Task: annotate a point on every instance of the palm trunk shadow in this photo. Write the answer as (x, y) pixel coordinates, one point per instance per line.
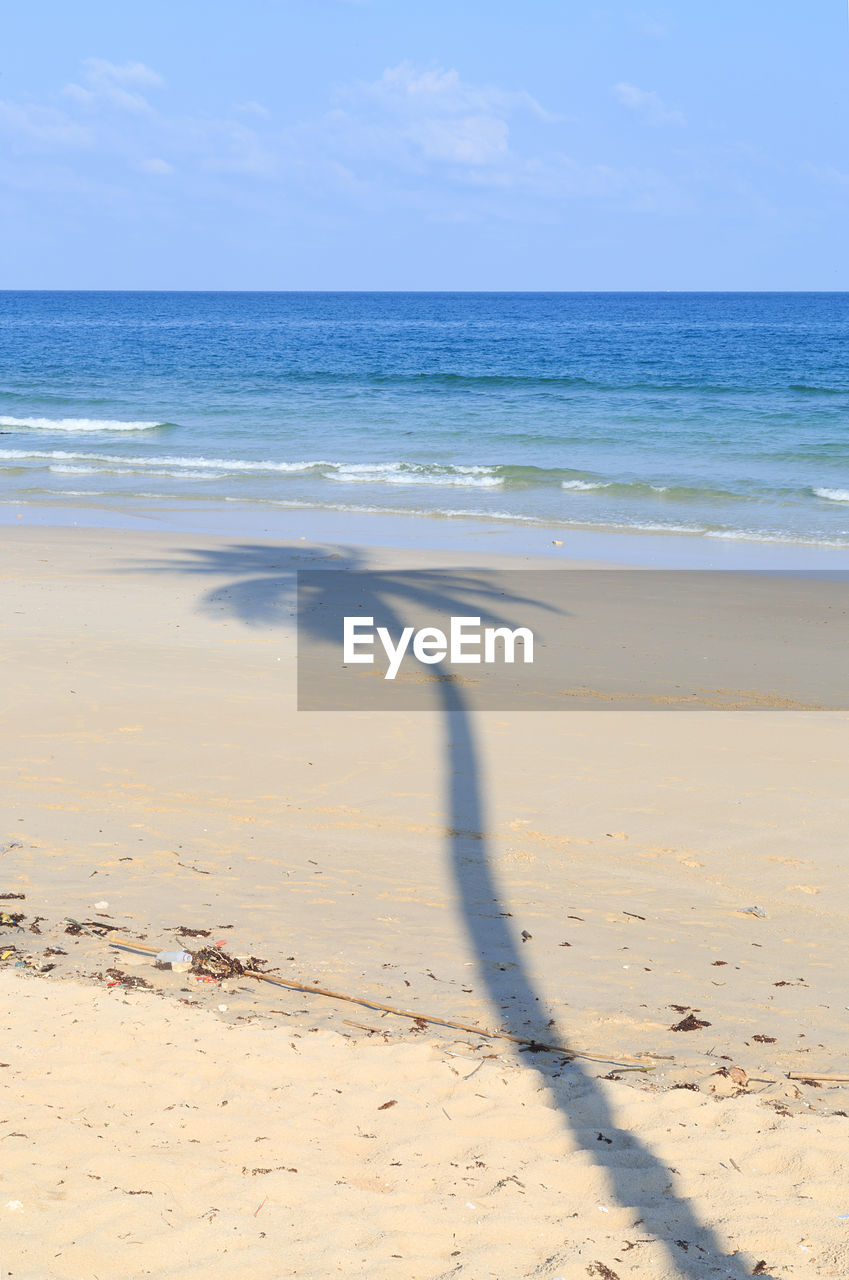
(641, 1182)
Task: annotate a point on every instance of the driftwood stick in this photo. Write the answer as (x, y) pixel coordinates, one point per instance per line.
(835, 1077)
(538, 1045)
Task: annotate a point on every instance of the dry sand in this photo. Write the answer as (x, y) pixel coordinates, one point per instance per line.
(154, 761)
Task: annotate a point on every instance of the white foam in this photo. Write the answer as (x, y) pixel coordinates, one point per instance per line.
(413, 474)
(464, 481)
(585, 485)
(80, 425)
(293, 503)
(169, 473)
(58, 469)
(401, 473)
(199, 464)
(833, 495)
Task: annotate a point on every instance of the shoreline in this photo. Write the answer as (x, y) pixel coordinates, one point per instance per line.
(438, 534)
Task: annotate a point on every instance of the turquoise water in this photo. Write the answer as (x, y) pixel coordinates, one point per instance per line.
(715, 415)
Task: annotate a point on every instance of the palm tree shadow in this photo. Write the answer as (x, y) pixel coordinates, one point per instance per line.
(259, 591)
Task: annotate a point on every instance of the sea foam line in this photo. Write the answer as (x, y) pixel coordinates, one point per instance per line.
(352, 473)
(79, 425)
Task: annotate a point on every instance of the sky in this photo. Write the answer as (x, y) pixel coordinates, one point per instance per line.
(424, 144)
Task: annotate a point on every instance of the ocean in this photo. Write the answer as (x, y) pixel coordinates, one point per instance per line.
(709, 415)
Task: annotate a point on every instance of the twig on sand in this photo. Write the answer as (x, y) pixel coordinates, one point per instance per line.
(835, 1077)
(535, 1045)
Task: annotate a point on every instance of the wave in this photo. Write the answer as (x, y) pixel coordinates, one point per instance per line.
(170, 473)
(197, 463)
(642, 488)
(577, 487)
(353, 473)
(816, 391)
(547, 383)
(414, 473)
(76, 425)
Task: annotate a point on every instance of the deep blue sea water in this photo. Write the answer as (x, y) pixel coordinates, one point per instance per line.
(719, 415)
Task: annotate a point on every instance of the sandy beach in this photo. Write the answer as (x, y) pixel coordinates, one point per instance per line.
(662, 895)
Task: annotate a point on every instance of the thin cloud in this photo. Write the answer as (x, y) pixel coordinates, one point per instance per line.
(417, 119)
(440, 90)
(115, 85)
(647, 104)
(253, 108)
(422, 139)
(41, 128)
(155, 164)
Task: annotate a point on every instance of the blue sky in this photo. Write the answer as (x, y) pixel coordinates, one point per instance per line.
(421, 144)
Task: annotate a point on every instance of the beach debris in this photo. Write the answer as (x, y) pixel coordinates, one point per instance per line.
(753, 911)
(11, 919)
(728, 1081)
(119, 978)
(36, 963)
(556, 542)
(212, 962)
(6, 897)
(14, 1205)
(764, 1039)
(759, 1268)
(602, 1271)
(186, 932)
(526, 937)
(178, 961)
(95, 928)
(101, 906)
(690, 1023)
(384, 1106)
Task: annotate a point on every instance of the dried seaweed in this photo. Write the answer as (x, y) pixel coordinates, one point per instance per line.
(689, 1024)
(211, 962)
(127, 979)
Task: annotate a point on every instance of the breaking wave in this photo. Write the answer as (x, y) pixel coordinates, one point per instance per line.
(75, 426)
